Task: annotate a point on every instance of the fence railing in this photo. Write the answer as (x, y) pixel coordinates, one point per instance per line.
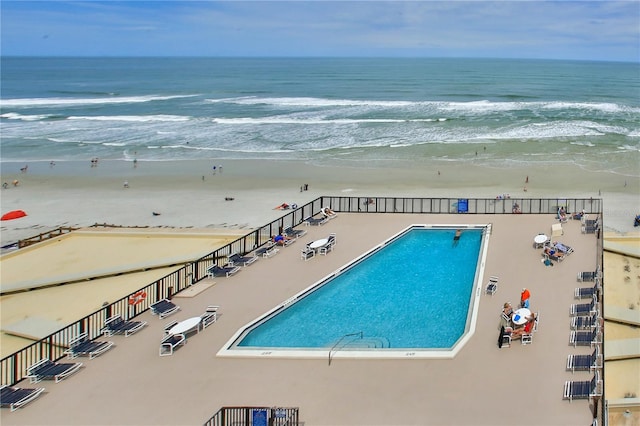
(13, 367)
(254, 416)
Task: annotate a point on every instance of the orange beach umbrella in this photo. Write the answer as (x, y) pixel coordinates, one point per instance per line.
(14, 214)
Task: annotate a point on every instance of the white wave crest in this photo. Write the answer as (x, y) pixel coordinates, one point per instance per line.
(310, 102)
(279, 120)
(52, 102)
(131, 118)
(16, 116)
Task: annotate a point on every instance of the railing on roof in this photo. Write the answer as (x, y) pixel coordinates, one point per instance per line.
(255, 416)
(13, 367)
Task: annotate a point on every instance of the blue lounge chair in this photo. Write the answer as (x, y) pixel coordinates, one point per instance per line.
(268, 250)
(585, 362)
(585, 338)
(583, 389)
(116, 325)
(584, 292)
(82, 346)
(492, 285)
(585, 322)
(163, 308)
(584, 308)
(170, 343)
(294, 233)
(210, 316)
(236, 259)
(587, 276)
(45, 369)
(315, 221)
(222, 271)
(14, 398)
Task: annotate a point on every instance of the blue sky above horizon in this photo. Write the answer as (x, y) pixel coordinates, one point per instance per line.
(582, 30)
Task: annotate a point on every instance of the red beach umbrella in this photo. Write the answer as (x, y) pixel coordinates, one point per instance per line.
(14, 214)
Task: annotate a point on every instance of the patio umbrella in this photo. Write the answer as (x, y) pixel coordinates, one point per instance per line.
(14, 214)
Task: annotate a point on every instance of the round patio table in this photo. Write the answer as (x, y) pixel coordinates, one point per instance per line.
(540, 239)
(520, 316)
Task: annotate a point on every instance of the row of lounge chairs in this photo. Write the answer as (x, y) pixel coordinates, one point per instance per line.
(585, 331)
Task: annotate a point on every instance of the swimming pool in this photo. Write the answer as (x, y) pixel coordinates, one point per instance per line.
(411, 295)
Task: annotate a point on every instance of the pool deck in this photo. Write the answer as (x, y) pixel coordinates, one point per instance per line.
(482, 385)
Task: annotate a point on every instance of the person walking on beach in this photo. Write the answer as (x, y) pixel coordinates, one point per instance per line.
(526, 180)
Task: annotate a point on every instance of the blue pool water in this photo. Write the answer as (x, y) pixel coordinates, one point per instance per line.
(412, 293)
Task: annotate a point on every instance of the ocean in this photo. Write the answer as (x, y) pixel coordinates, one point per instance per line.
(503, 112)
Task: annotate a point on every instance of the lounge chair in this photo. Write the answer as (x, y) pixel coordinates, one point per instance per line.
(563, 248)
(268, 250)
(116, 325)
(587, 276)
(82, 346)
(492, 285)
(222, 271)
(169, 326)
(589, 229)
(583, 389)
(14, 398)
(236, 259)
(45, 369)
(315, 221)
(585, 322)
(328, 213)
(294, 233)
(170, 343)
(307, 253)
(585, 362)
(585, 338)
(210, 316)
(584, 292)
(163, 308)
(584, 308)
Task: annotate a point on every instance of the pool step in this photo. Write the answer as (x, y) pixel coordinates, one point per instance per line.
(368, 343)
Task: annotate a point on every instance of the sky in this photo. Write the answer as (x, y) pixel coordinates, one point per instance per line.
(580, 30)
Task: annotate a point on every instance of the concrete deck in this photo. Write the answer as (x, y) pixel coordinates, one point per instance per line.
(482, 385)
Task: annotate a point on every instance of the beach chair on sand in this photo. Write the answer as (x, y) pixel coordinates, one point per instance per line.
(45, 369)
(82, 346)
(163, 308)
(492, 285)
(14, 398)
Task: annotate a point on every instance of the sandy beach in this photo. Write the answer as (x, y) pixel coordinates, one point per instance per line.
(188, 194)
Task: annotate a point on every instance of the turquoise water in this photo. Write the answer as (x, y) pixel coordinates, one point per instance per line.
(413, 293)
(349, 110)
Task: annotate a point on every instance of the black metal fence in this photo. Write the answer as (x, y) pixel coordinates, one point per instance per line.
(13, 367)
(254, 416)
